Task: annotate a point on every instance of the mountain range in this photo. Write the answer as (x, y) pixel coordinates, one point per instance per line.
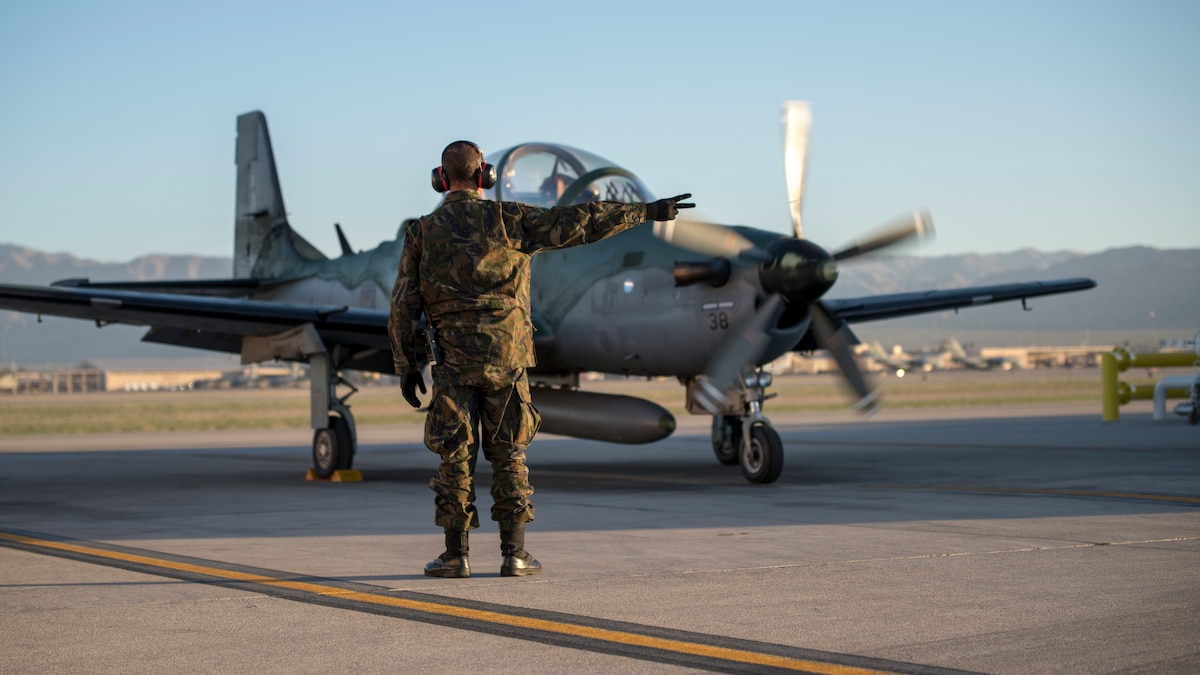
(1144, 295)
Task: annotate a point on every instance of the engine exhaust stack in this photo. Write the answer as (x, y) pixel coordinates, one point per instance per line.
(714, 272)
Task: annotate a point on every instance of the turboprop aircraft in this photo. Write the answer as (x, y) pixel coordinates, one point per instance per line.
(705, 303)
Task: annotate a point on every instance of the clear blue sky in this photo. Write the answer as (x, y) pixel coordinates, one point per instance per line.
(1054, 125)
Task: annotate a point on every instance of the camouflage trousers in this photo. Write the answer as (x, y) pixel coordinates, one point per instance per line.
(503, 421)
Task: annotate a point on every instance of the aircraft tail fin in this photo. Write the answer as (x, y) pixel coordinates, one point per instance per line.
(263, 240)
(956, 350)
(875, 349)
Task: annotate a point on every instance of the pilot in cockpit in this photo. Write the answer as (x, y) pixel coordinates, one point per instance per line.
(553, 188)
(588, 194)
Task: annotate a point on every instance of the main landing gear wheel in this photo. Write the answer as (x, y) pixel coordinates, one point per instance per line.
(333, 447)
(727, 438)
(762, 458)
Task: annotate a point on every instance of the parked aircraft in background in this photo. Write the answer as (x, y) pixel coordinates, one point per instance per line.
(705, 303)
(960, 357)
(894, 361)
(901, 363)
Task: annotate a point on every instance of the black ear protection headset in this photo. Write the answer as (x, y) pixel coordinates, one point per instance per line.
(485, 175)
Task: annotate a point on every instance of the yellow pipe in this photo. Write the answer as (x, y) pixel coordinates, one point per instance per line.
(1129, 392)
(1125, 392)
(1125, 360)
(1108, 384)
(1172, 360)
(1116, 393)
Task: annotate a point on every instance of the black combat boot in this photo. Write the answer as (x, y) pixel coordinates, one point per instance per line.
(453, 563)
(517, 561)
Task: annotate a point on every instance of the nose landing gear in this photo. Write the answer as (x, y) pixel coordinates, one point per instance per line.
(741, 434)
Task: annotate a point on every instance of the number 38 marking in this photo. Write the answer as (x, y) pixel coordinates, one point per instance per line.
(718, 321)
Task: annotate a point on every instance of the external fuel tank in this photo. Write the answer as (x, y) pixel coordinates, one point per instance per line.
(603, 417)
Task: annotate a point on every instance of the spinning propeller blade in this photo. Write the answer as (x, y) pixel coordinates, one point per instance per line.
(718, 241)
(918, 224)
(797, 118)
(835, 339)
(740, 350)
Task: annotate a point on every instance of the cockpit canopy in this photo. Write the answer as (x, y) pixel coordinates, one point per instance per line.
(544, 174)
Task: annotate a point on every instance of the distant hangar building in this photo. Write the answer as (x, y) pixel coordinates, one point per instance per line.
(123, 374)
(151, 374)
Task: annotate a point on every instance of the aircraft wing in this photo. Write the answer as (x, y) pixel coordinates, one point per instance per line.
(217, 323)
(875, 307)
(219, 287)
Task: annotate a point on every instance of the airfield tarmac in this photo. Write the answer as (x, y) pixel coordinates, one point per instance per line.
(1015, 539)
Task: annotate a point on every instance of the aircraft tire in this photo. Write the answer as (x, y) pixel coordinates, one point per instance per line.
(727, 441)
(333, 448)
(346, 442)
(1194, 414)
(762, 461)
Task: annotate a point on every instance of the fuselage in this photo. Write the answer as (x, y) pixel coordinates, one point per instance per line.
(612, 306)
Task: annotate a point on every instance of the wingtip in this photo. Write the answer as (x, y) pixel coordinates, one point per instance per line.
(924, 222)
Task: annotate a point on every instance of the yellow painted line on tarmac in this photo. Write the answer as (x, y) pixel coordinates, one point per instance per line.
(1178, 499)
(508, 620)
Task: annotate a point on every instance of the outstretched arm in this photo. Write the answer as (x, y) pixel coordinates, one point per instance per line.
(578, 224)
(406, 304)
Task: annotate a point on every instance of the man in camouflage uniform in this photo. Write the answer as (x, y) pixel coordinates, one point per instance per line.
(466, 268)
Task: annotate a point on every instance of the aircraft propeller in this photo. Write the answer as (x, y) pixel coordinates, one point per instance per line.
(797, 118)
(918, 224)
(792, 271)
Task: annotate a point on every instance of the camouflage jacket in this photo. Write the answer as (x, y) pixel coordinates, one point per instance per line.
(466, 266)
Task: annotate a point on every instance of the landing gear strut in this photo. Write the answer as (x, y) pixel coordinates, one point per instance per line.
(742, 435)
(334, 434)
(727, 438)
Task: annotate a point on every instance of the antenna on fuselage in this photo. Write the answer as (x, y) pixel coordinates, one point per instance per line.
(346, 250)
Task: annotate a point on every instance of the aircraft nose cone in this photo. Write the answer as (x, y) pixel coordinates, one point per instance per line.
(828, 271)
(799, 270)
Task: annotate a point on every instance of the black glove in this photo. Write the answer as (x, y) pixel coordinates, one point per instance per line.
(666, 209)
(409, 385)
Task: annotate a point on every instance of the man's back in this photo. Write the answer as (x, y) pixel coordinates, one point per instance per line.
(474, 285)
(469, 260)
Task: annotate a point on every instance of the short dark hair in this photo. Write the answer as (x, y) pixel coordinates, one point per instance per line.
(461, 159)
